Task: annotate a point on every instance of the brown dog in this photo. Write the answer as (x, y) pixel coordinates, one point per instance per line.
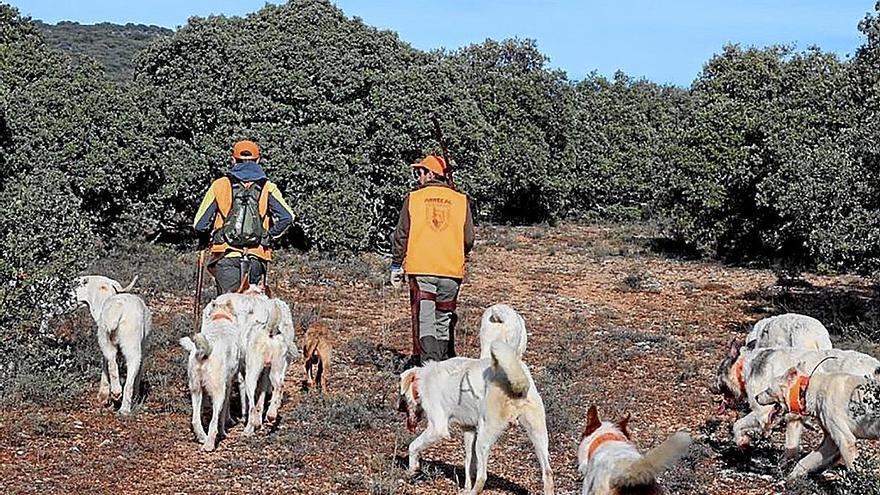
(316, 353)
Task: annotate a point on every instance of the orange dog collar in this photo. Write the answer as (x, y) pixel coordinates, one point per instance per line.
(738, 373)
(797, 396)
(602, 439)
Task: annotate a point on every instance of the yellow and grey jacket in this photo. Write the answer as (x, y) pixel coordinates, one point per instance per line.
(276, 213)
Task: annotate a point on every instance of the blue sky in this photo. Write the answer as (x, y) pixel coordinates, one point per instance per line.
(667, 42)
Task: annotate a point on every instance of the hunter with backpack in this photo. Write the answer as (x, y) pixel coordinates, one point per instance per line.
(243, 213)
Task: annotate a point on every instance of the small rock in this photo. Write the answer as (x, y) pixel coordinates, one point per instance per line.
(75, 450)
(105, 443)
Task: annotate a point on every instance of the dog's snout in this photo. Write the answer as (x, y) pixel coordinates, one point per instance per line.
(401, 404)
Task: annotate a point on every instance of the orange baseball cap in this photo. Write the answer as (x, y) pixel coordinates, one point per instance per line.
(245, 150)
(433, 163)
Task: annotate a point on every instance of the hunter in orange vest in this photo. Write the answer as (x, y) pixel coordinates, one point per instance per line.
(433, 235)
(244, 212)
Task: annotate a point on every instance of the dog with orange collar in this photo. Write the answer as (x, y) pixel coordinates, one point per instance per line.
(846, 405)
(611, 464)
(760, 371)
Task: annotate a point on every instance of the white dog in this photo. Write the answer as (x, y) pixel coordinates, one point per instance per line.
(484, 396)
(501, 322)
(124, 322)
(215, 357)
(761, 371)
(612, 465)
(792, 331)
(789, 330)
(267, 350)
(847, 406)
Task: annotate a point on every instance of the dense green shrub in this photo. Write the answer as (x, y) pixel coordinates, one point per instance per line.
(44, 242)
(767, 165)
(771, 153)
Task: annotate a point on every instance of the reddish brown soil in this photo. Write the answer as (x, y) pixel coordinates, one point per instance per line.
(611, 324)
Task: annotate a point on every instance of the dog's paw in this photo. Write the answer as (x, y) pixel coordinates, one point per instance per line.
(125, 410)
(208, 446)
(742, 441)
(116, 395)
(248, 431)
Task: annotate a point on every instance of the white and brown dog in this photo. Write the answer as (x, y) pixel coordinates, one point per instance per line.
(215, 356)
(846, 405)
(612, 465)
(760, 371)
(484, 397)
(267, 347)
(788, 330)
(745, 363)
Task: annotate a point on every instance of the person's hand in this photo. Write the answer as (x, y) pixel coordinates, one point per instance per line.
(203, 240)
(396, 276)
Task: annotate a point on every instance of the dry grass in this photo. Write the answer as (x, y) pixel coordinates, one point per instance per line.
(598, 335)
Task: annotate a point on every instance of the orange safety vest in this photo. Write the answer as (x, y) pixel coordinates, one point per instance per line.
(435, 245)
(222, 189)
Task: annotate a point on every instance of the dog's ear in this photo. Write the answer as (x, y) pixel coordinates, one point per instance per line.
(593, 422)
(623, 425)
(733, 352)
(406, 379)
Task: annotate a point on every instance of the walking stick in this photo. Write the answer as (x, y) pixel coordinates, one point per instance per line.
(438, 134)
(197, 302)
(414, 302)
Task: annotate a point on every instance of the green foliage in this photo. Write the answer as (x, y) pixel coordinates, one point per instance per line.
(623, 132)
(771, 153)
(301, 80)
(767, 163)
(44, 242)
(516, 153)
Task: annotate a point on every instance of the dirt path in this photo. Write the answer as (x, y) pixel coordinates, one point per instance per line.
(610, 324)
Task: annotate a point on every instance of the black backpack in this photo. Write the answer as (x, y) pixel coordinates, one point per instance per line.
(243, 226)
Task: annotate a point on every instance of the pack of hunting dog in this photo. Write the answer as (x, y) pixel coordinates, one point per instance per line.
(747, 192)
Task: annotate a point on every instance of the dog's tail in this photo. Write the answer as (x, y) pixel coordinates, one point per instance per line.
(504, 358)
(198, 344)
(646, 469)
(497, 316)
(274, 321)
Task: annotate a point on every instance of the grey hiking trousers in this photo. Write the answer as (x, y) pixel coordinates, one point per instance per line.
(433, 301)
(227, 272)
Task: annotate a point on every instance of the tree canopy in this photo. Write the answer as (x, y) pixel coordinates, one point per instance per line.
(771, 153)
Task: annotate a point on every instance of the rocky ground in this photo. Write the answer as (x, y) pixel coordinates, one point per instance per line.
(613, 321)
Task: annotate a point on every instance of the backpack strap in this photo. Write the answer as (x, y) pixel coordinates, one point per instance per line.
(223, 196)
